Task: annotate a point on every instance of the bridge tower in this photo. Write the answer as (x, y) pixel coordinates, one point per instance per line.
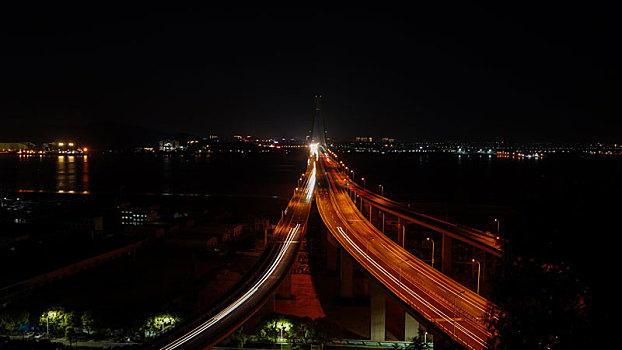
(317, 133)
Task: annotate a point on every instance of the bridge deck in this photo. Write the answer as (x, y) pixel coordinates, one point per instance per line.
(451, 307)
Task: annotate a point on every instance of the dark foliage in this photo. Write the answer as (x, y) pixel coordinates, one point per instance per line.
(545, 306)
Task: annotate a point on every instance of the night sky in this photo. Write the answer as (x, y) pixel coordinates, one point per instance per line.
(455, 70)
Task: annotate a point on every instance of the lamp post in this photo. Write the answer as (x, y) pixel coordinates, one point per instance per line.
(479, 268)
(381, 190)
(497, 222)
(363, 179)
(47, 322)
(431, 240)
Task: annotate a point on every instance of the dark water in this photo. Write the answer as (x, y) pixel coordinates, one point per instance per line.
(557, 209)
(267, 174)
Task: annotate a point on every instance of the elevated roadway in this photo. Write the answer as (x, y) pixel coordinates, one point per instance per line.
(481, 239)
(249, 295)
(445, 303)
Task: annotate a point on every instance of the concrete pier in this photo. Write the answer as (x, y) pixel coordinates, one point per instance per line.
(345, 275)
(377, 311)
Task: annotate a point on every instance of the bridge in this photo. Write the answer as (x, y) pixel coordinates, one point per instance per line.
(487, 243)
(258, 285)
(459, 312)
(425, 293)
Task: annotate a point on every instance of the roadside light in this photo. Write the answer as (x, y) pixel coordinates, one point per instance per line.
(479, 268)
(431, 240)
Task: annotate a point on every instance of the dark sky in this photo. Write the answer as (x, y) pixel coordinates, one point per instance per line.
(522, 71)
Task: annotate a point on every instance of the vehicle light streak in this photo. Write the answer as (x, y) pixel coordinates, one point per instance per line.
(434, 279)
(283, 250)
(420, 214)
(312, 184)
(440, 281)
(408, 290)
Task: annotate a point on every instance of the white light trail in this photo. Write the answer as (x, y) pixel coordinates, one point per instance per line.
(313, 149)
(410, 291)
(229, 309)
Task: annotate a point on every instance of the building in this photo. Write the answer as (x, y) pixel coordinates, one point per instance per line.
(168, 145)
(15, 146)
(64, 147)
(364, 139)
(138, 216)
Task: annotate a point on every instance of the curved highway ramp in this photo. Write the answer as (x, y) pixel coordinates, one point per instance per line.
(256, 287)
(454, 309)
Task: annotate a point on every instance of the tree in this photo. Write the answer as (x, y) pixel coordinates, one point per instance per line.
(159, 324)
(69, 334)
(57, 318)
(272, 326)
(542, 305)
(417, 343)
(324, 331)
(236, 339)
(10, 321)
(88, 321)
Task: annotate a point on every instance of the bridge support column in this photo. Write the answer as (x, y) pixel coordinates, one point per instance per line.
(377, 311)
(345, 275)
(401, 233)
(331, 252)
(285, 288)
(411, 327)
(446, 255)
(270, 305)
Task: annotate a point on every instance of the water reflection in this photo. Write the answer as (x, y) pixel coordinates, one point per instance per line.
(67, 176)
(85, 174)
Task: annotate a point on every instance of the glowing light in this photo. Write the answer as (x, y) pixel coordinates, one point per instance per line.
(313, 147)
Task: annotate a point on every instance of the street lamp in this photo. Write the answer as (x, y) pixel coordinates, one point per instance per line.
(363, 179)
(479, 268)
(497, 222)
(431, 240)
(47, 321)
(381, 190)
